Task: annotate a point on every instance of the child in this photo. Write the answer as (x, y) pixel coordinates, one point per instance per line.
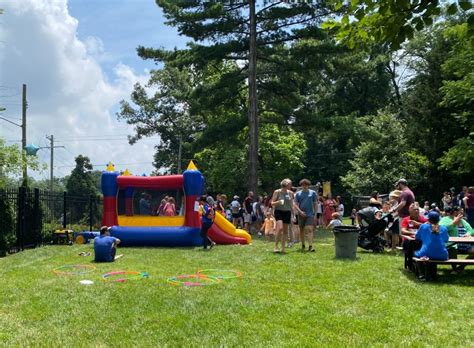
(353, 216)
(335, 221)
(268, 225)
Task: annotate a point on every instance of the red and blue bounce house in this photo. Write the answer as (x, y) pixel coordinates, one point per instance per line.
(121, 211)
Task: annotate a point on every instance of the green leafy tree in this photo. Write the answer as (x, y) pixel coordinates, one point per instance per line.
(11, 162)
(392, 21)
(438, 120)
(221, 33)
(457, 94)
(80, 186)
(383, 157)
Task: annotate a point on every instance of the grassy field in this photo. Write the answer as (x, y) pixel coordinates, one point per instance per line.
(297, 299)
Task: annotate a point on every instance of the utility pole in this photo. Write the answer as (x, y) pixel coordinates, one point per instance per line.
(179, 153)
(51, 171)
(23, 136)
(253, 115)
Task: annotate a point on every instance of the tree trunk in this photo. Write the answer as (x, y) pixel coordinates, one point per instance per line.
(253, 116)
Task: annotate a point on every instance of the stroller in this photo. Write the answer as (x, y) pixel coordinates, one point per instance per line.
(371, 229)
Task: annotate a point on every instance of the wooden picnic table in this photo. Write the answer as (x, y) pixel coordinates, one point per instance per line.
(463, 240)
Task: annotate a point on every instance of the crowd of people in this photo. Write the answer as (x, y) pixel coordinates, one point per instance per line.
(424, 231)
(290, 216)
(286, 217)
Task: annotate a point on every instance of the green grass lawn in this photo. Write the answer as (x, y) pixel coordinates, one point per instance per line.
(297, 299)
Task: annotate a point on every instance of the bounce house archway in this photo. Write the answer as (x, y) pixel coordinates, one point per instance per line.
(151, 230)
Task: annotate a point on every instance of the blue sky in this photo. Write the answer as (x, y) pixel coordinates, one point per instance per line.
(78, 59)
(123, 25)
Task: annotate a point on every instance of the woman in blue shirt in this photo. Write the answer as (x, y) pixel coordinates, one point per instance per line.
(433, 237)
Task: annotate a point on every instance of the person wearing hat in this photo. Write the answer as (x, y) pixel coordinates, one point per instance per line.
(235, 210)
(433, 237)
(392, 235)
(105, 246)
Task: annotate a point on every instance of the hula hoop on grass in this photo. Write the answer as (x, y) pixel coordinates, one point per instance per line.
(192, 280)
(220, 273)
(74, 269)
(123, 276)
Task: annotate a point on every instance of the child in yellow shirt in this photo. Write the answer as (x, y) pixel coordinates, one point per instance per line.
(268, 225)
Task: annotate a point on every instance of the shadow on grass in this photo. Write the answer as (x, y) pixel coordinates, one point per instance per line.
(444, 276)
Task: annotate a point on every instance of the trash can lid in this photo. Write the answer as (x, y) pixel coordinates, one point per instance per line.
(346, 228)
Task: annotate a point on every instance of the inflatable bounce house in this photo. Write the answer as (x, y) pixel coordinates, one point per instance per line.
(136, 227)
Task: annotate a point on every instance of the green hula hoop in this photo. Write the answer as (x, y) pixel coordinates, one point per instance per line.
(220, 273)
(128, 275)
(192, 280)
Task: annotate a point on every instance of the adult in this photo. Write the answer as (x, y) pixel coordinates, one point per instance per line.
(105, 246)
(328, 208)
(305, 205)
(468, 201)
(375, 200)
(145, 204)
(282, 203)
(257, 209)
(461, 196)
(433, 238)
(411, 223)
(406, 199)
(446, 200)
(235, 209)
(207, 219)
(248, 211)
(340, 207)
(392, 235)
(457, 227)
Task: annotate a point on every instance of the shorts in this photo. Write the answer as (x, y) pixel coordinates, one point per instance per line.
(283, 215)
(305, 221)
(247, 218)
(235, 215)
(318, 215)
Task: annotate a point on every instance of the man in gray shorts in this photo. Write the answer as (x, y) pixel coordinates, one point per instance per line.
(306, 207)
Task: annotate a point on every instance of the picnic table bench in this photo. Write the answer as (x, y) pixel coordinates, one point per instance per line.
(432, 266)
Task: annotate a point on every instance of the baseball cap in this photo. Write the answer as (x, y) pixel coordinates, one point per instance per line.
(236, 197)
(401, 181)
(378, 211)
(433, 217)
(105, 228)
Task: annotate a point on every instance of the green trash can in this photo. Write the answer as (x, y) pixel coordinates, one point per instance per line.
(346, 237)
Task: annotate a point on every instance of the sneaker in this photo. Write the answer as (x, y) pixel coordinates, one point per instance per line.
(311, 249)
(290, 244)
(303, 247)
(212, 244)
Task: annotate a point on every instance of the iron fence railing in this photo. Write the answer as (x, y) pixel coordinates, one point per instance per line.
(28, 217)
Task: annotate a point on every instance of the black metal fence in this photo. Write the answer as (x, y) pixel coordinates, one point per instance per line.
(28, 217)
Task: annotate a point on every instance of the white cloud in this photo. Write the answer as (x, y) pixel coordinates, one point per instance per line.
(69, 95)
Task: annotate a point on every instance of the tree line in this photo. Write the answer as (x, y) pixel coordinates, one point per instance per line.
(337, 100)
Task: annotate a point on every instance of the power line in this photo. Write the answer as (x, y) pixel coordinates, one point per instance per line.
(99, 139)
